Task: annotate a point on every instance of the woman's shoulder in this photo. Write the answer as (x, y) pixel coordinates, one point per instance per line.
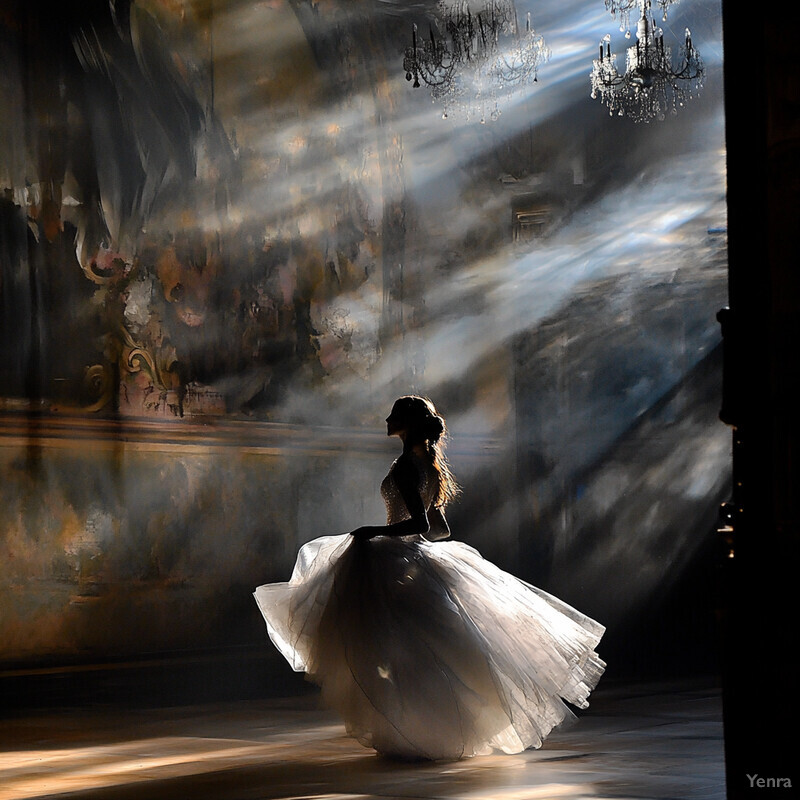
(411, 466)
(403, 470)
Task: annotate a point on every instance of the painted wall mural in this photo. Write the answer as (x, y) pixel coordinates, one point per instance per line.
(231, 232)
(204, 272)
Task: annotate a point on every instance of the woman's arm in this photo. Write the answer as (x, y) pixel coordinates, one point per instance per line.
(439, 529)
(406, 478)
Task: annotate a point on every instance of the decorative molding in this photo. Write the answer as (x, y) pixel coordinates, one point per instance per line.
(220, 436)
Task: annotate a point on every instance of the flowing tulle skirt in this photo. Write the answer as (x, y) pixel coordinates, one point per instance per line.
(427, 650)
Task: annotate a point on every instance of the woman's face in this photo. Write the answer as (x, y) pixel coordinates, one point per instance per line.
(396, 421)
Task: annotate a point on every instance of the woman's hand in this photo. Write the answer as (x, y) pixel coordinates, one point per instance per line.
(366, 532)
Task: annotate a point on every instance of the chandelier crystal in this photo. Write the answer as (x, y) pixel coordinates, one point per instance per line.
(475, 56)
(623, 8)
(651, 86)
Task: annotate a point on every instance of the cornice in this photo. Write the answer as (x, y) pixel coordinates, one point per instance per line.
(209, 436)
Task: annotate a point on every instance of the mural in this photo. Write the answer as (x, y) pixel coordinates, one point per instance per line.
(203, 267)
(231, 233)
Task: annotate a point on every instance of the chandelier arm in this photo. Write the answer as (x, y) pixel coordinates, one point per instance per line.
(686, 74)
(613, 82)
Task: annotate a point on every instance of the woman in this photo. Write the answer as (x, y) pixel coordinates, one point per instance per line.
(426, 649)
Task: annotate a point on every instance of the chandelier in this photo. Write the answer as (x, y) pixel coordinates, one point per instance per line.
(623, 8)
(475, 57)
(651, 86)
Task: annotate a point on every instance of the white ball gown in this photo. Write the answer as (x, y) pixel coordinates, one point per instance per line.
(426, 649)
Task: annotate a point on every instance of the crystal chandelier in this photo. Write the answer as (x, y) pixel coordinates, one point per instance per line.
(475, 56)
(623, 8)
(651, 86)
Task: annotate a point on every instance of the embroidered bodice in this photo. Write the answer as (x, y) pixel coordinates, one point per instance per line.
(396, 510)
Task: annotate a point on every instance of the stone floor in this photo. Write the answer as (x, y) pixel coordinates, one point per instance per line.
(659, 740)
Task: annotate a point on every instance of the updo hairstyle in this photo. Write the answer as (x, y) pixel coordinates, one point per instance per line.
(424, 423)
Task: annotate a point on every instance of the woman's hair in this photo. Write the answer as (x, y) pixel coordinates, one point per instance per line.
(424, 423)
